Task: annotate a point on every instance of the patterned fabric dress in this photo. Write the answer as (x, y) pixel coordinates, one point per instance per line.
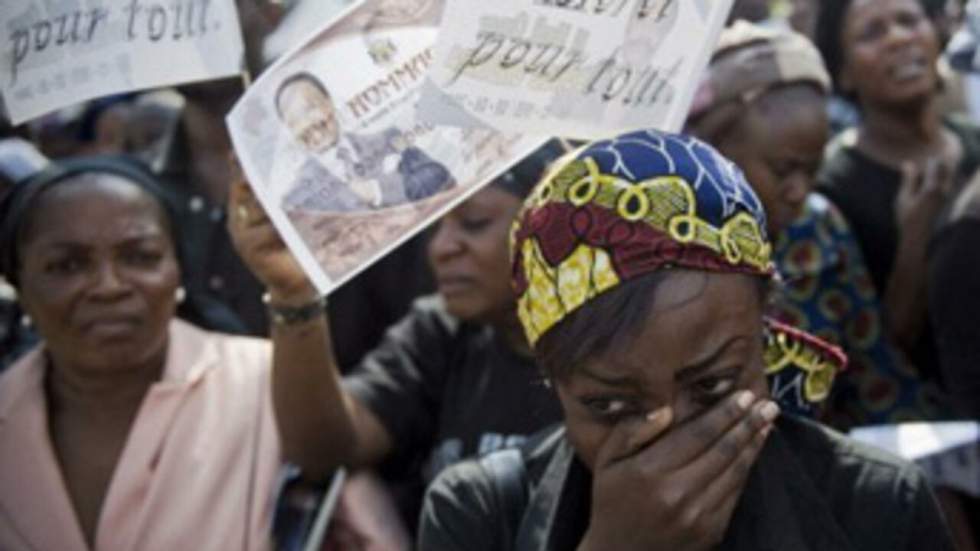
(828, 292)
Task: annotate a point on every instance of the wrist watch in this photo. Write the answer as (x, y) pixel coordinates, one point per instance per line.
(289, 315)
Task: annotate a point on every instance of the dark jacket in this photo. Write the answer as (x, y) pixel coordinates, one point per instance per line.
(811, 489)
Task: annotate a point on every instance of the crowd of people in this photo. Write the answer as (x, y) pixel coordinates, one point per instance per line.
(653, 341)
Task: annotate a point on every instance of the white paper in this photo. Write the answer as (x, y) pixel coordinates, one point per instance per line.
(57, 54)
(587, 69)
(329, 141)
(948, 452)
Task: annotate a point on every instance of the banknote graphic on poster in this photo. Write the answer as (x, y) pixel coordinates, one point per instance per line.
(329, 140)
(581, 68)
(58, 53)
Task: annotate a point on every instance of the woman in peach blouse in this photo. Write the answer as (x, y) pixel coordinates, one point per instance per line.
(126, 428)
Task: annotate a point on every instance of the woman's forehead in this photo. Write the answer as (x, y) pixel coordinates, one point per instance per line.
(95, 201)
(694, 313)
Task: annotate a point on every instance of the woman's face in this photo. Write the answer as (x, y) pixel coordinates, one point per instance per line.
(890, 50)
(470, 258)
(701, 342)
(779, 145)
(98, 273)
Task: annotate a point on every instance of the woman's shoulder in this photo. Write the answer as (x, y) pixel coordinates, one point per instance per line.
(479, 503)
(855, 477)
(234, 356)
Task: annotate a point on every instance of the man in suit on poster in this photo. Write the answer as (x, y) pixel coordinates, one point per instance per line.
(376, 171)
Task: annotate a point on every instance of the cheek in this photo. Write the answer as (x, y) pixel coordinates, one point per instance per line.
(48, 300)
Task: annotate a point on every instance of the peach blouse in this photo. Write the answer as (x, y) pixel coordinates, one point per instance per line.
(197, 471)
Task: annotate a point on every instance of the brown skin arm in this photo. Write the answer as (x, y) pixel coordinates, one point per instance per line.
(920, 199)
(322, 427)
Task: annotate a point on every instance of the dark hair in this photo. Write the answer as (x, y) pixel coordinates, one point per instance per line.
(521, 178)
(302, 76)
(611, 320)
(829, 35)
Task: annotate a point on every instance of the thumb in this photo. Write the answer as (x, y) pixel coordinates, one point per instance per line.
(632, 434)
(910, 180)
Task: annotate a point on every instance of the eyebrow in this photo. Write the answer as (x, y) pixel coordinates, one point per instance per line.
(700, 366)
(609, 380)
(132, 240)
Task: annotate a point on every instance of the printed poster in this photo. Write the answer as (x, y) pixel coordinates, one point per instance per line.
(586, 69)
(329, 140)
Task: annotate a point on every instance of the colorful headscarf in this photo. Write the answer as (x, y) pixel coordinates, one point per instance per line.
(645, 201)
(626, 207)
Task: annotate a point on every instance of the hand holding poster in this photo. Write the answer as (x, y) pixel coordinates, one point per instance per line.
(329, 141)
(60, 53)
(580, 68)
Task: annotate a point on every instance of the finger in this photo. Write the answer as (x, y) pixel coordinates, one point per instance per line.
(728, 449)
(731, 447)
(629, 436)
(688, 441)
(931, 176)
(730, 482)
(910, 180)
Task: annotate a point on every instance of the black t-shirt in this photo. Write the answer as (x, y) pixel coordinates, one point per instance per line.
(446, 390)
(866, 190)
(810, 489)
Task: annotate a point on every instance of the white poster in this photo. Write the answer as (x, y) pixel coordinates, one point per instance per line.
(586, 69)
(61, 52)
(329, 140)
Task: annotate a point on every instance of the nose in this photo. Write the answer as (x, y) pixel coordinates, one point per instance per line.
(900, 33)
(445, 244)
(108, 283)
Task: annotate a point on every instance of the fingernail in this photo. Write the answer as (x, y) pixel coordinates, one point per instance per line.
(744, 399)
(770, 411)
(658, 414)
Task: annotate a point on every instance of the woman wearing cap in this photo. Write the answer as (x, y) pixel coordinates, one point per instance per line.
(125, 428)
(454, 378)
(892, 176)
(763, 106)
(642, 268)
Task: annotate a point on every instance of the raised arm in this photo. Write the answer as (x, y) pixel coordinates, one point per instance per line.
(322, 426)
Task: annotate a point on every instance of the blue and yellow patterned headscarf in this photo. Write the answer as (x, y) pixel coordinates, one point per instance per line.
(638, 203)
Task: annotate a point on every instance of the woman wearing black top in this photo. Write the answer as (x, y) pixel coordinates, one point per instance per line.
(893, 174)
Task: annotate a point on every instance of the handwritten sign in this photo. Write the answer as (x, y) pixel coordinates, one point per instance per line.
(329, 140)
(578, 68)
(60, 53)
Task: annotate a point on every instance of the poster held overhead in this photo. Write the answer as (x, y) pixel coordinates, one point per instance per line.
(330, 143)
(586, 69)
(57, 54)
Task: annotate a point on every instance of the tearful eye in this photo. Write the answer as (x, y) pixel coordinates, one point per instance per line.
(611, 408)
(712, 388)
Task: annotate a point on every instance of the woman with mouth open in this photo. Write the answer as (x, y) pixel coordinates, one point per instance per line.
(125, 428)
(762, 103)
(892, 176)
